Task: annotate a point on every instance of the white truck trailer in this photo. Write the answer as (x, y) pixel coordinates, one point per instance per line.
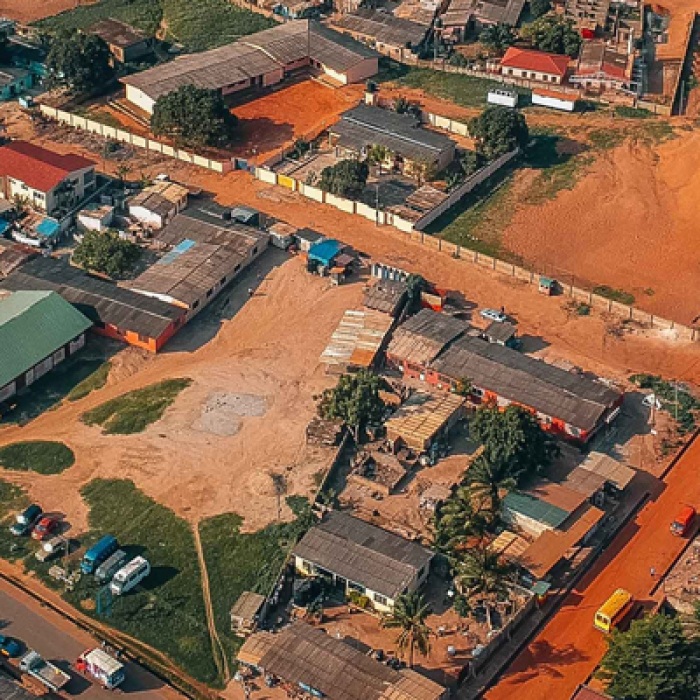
(105, 669)
(48, 674)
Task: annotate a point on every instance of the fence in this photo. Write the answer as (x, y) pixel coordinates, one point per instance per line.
(123, 136)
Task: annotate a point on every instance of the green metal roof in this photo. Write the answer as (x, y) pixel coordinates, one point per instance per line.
(534, 508)
(33, 325)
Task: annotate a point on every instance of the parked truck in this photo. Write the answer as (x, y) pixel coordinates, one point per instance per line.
(99, 665)
(52, 677)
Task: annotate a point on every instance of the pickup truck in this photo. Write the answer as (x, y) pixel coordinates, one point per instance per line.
(37, 667)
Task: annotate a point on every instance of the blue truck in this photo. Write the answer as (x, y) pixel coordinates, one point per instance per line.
(98, 553)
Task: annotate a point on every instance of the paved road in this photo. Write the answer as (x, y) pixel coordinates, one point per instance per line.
(61, 642)
(568, 649)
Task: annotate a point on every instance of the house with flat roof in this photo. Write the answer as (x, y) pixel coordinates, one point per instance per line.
(534, 65)
(258, 61)
(410, 147)
(362, 557)
(566, 403)
(420, 339)
(154, 206)
(205, 254)
(115, 312)
(601, 67)
(126, 43)
(308, 658)
(38, 331)
(51, 182)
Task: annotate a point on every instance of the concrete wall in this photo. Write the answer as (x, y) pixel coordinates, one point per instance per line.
(140, 99)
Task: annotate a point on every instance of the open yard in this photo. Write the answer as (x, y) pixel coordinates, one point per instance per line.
(30, 10)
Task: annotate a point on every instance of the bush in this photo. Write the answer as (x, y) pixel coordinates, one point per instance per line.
(80, 62)
(41, 456)
(498, 130)
(106, 252)
(540, 7)
(360, 600)
(554, 34)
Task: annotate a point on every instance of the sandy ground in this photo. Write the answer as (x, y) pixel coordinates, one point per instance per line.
(569, 648)
(242, 419)
(30, 10)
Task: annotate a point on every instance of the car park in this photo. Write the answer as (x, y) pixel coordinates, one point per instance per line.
(25, 521)
(47, 526)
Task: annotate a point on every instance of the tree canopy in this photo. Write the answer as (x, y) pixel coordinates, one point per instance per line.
(498, 37)
(194, 116)
(515, 447)
(554, 34)
(652, 661)
(346, 178)
(354, 400)
(79, 62)
(498, 130)
(105, 252)
(409, 615)
(540, 7)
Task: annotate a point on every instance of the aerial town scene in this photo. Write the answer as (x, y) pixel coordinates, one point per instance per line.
(350, 349)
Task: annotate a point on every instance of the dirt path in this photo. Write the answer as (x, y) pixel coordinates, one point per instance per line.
(218, 650)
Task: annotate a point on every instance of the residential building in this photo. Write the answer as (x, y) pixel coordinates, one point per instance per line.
(362, 557)
(304, 657)
(501, 333)
(392, 36)
(589, 15)
(126, 43)
(601, 67)
(204, 255)
(156, 205)
(462, 17)
(115, 312)
(258, 61)
(12, 254)
(565, 403)
(534, 65)
(411, 149)
(14, 82)
(386, 295)
(51, 182)
(38, 331)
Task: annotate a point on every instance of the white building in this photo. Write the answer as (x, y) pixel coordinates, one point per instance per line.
(157, 205)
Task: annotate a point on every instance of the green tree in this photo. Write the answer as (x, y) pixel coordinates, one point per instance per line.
(498, 37)
(378, 155)
(354, 400)
(194, 116)
(483, 572)
(105, 252)
(498, 130)
(79, 62)
(492, 481)
(554, 34)
(538, 8)
(415, 286)
(346, 178)
(470, 162)
(409, 615)
(652, 661)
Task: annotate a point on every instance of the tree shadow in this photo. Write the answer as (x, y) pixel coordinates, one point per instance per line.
(261, 134)
(159, 576)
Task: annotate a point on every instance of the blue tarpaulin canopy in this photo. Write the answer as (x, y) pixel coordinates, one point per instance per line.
(325, 251)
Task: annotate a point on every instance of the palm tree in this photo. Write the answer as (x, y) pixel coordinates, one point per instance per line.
(409, 615)
(489, 480)
(483, 572)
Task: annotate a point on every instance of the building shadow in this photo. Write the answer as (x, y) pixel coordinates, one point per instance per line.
(532, 343)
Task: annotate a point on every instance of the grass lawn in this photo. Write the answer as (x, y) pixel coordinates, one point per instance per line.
(91, 383)
(12, 500)
(41, 456)
(135, 411)
(238, 562)
(463, 90)
(144, 14)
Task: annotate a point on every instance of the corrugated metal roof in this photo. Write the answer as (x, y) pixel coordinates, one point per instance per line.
(386, 296)
(553, 392)
(363, 553)
(33, 325)
(532, 507)
(357, 339)
(9, 690)
(382, 27)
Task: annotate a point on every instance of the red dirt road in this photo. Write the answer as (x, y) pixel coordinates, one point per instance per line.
(569, 649)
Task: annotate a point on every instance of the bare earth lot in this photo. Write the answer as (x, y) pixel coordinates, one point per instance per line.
(30, 10)
(243, 417)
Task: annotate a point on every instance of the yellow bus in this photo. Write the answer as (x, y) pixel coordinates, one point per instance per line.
(612, 610)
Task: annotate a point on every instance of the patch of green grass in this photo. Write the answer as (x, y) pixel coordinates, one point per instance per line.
(91, 383)
(238, 562)
(606, 139)
(206, 24)
(144, 14)
(632, 112)
(464, 90)
(12, 500)
(41, 456)
(655, 132)
(620, 295)
(135, 411)
(675, 400)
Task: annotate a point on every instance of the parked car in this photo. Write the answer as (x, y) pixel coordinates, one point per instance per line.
(46, 527)
(493, 315)
(10, 647)
(51, 548)
(26, 520)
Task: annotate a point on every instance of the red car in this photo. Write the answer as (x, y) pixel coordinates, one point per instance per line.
(46, 527)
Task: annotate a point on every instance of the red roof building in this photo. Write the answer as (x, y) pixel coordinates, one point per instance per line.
(33, 172)
(601, 67)
(534, 65)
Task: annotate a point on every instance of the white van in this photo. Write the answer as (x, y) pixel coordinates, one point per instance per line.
(130, 575)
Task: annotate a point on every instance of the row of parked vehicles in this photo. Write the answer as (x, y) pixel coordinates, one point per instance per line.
(105, 560)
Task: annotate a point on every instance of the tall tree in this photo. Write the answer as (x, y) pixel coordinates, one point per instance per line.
(409, 615)
(347, 178)
(554, 34)
(483, 572)
(79, 62)
(194, 116)
(490, 480)
(107, 253)
(354, 400)
(498, 130)
(514, 444)
(498, 37)
(652, 661)
(415, 285)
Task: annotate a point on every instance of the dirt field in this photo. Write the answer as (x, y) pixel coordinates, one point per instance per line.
(30, 10)
(244, 416)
